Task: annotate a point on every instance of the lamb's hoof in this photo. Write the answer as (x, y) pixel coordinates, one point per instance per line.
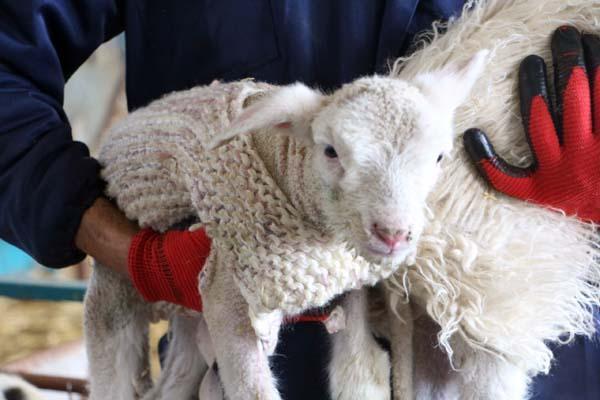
(268, 346)
(361, 392)
(362, 378)
(211, 388)
(336, 321)
(268, 339)
(271, 394)
(266, 328)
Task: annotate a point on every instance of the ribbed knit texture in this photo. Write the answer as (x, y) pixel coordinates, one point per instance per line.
(159, 171)
(166, 266)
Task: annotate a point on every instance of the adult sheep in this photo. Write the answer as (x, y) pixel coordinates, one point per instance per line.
(496, 280)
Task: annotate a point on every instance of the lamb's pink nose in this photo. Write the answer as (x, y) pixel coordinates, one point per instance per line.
(392, 237)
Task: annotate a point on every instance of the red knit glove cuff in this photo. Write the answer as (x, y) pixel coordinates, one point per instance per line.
(165, 267)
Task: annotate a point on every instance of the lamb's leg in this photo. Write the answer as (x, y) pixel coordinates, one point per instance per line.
(266, 326)
(484, 376)
(184, 366)
(477, 375)
(116, 331)
(434, 378)
(242, 361)
(359, 368)
(401, 342)
(210, 387)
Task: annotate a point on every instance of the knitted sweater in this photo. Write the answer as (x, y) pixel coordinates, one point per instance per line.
(159, 171)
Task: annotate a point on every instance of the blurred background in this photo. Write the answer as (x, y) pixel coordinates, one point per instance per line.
(41, 333)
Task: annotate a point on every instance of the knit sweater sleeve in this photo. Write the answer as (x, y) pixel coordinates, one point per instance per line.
(151, 161)
(47, 180)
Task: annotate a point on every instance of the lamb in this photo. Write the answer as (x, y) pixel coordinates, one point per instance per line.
(305, 197)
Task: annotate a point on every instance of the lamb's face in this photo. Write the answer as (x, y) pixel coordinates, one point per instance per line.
(379, 144)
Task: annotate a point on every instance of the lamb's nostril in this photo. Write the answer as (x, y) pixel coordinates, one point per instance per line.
(391, 236)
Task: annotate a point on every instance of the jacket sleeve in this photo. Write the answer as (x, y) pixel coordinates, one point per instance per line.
(47, 180)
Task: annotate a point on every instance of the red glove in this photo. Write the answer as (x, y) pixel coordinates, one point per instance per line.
(166, 266)
(565, 173)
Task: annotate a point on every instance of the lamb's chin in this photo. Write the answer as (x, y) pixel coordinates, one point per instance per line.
(376, 256)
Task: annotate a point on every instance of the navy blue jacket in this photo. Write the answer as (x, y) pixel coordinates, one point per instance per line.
(47, 180)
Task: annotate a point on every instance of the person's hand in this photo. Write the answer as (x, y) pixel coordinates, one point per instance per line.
(565, 173)
(166, 266)
(160, 266)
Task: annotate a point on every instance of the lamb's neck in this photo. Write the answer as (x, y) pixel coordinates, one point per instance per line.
(290, 164)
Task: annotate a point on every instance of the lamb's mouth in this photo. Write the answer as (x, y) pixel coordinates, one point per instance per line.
(386, 254)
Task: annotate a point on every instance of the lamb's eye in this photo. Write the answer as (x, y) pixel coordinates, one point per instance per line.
(330, 152)
(440, 158)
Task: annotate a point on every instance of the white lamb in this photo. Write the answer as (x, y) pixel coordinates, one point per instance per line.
(317, 201)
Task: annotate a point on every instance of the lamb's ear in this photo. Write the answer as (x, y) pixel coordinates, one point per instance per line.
(449, 87)
(289, 109)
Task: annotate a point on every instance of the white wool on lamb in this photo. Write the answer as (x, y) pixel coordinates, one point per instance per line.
(503, 275)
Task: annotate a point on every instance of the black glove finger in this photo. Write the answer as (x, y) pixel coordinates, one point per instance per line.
(567, 54)
(480, 149)
(533, 82)
(591, 47)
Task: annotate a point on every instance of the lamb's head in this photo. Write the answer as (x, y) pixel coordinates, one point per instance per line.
(376, 149)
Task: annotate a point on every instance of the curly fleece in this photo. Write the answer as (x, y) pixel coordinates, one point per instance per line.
(507, 276)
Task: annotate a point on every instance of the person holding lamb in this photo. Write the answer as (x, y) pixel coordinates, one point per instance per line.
(51, 202)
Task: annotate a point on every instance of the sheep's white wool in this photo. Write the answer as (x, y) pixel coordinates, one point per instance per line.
(504, 275)
(160, 172)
